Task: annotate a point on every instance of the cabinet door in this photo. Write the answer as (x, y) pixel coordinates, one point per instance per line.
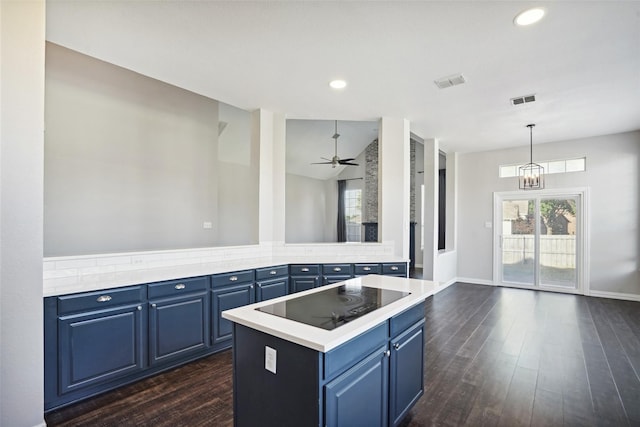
(226, 298)
(359, 396)
(303, 283)
(272, 288)
(406, 372)
(178, 327)
(100, 346)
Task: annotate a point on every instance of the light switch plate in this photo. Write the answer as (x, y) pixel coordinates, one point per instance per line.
(488, 224)
(270, 356)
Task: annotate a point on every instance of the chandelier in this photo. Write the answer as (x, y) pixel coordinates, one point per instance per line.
(531, 175)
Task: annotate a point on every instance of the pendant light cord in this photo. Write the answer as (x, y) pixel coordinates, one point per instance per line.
(530, 126)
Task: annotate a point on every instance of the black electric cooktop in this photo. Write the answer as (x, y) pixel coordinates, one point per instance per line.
(333, 307)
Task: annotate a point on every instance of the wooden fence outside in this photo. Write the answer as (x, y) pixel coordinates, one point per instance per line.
(555, 251)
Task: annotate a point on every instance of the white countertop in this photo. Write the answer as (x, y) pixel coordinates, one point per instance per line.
(93, 279)
(324, 340)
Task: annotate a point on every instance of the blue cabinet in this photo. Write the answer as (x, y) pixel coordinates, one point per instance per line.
(271, 282)
(229, 291)
(333, 273)
(406, 372)
(364, 269)
(93, 341)
(178, 319)
(371, 380)
(359, 397)
(303, 277)
(97, 341)
(398, 269)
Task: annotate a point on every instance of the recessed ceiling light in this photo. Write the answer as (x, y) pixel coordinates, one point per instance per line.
(338, 84)
(529, 17)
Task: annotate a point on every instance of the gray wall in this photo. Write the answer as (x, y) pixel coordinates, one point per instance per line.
(131, 164)
(307, 212)
(613, 165)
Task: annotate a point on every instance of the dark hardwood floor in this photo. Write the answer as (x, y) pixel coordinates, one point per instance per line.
(494, 356)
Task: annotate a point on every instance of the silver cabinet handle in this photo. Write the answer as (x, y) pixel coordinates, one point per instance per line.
(367, 268)
(337, 269)
(180, 286)
(304, 269)
(394, 267)
(251, 286)
(233, 278)
(386, 353)
(154, 305)
(273, 272)
(396, 345)
(139, 308)
(103, 298)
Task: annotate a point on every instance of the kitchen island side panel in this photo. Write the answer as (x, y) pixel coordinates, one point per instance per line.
(290, 397)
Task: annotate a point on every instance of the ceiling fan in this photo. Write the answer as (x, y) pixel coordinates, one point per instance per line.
(336, 160)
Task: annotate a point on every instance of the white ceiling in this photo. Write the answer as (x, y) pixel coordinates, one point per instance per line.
(582, 61)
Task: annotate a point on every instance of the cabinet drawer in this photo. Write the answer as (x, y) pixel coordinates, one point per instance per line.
(342, 357)
(405, 319)
(100, 299)
(304, 269)
(178, 287)
(271, 272)
(233, 278)
(336, 269)
(395, 268)
(364, 269)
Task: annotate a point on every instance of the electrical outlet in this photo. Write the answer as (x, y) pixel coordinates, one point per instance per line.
(207, 225)
(270, 356)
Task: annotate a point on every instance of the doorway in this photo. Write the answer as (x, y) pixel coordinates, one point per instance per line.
(539, 240)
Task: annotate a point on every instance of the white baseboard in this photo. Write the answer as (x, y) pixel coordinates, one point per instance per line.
(592, 293)
(614, 295)
(445, 285)
(475, 281)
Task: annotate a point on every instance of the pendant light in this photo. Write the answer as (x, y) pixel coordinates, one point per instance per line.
(531, 175)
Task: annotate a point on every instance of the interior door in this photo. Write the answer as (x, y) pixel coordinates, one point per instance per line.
(539, 239)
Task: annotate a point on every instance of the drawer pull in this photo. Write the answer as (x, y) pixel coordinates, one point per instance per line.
(394, 267)
(273, 272)
(139, 308)
(103, 298)
(180, 286)
(396, 345)
(337, 269)
(386, 353)
(154, 305)
(233, 278)
(367, 268)
(304, 269)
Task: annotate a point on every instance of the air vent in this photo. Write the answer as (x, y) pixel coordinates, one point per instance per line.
(523, 99)
(454, 80)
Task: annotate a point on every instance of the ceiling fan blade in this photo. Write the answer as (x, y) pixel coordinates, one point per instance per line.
(349, 164)
(322, 163)
(347, 160)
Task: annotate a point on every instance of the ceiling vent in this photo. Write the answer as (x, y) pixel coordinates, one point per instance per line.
(523, 99)
(454, 80)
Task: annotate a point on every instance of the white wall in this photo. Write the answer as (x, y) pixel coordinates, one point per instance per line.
(130, 162)
(394, 183)
(613, 173)
(22, 33)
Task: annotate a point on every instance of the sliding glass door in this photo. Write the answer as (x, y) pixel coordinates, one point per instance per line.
(539, 238)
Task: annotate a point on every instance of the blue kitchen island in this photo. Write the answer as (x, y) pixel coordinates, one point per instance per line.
(346, 354)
